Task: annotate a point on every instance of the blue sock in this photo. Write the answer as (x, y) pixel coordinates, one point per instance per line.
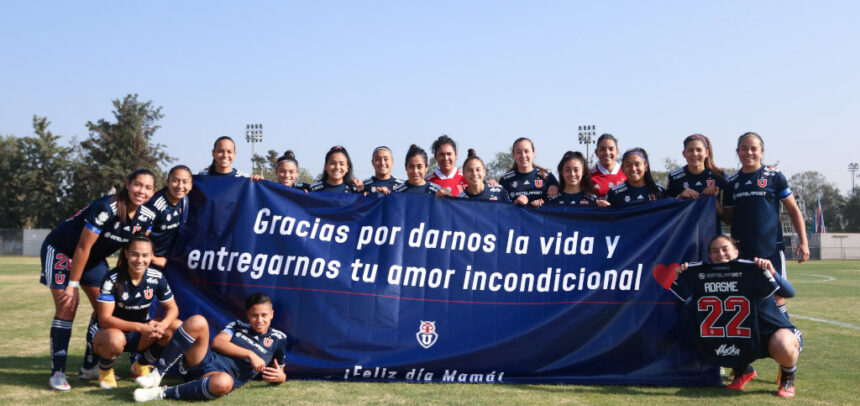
(61, 333)
(150, 354)
(178, 345)
(194, 390)
(90, 357)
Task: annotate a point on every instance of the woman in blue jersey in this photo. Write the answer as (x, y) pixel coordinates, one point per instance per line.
(169, 205)
(223, 155)
(577, 186)
(639, 186)
(287, 170)
(700, 176)
(337, 175)
(751, 205)
(416, 169)
(73, 255)
(381, 182)
(474, 172)
(126, 296)
(526, 182)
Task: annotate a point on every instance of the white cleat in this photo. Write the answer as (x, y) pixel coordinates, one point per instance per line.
(58, 382)
(150, 380)
(147, 394)
(89, 374)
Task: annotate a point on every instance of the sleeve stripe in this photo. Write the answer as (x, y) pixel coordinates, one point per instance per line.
(93, 228)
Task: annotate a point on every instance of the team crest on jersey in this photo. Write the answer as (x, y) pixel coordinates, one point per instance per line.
(494, 198)
(147, 293)
(627, 199)
(124, 295)
(538, 183)
(762, 182)
(686, 185)
(59, 278)
(135, 229)
(426, 334)
(583, 202)
(514, 184)
(267, 341)
(712, 183)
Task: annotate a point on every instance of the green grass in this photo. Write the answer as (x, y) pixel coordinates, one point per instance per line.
(828, 368)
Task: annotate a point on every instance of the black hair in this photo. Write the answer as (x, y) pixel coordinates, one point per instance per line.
(256, 298)
(122, 198)
(472, 156)
(289, 157)
(750, 134)
(173, 170)
(442, 140)
(122, 274)
(709, 161)
(607, 136)
(415, 150)
(586, 182)
(348, 178)
(649, 179)
(215, 145)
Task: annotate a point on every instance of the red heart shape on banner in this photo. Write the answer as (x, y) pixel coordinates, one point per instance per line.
(665, 274)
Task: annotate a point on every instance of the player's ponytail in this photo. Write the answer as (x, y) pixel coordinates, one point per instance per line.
(122, 198)
(288, 157)
(415, 150)
(472, 156)
(709, 160)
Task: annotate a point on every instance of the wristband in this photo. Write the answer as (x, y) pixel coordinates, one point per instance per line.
(74, 284)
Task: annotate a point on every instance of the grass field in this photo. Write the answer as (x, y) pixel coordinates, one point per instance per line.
(826, 309)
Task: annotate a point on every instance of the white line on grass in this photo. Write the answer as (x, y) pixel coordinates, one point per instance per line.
(831, 322)
(826, 278)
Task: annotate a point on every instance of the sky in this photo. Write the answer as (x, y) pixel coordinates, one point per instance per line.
(368, 73)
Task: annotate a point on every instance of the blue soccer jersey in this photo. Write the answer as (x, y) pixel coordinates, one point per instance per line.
(100, 217)
(734, 308)
(167, 219)
(682, 178)
(233, 172)
(372, 183)
(496, 193)
(325, 187)
(271, 345)
(625, 194)
(426, 188)
(133, 302)
(581, 199)
(755, 198)
(531, 184)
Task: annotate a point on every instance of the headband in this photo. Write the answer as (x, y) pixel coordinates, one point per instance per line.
(381, 148)
(635, 153)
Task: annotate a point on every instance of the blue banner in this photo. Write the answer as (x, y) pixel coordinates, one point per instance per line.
(420, 289)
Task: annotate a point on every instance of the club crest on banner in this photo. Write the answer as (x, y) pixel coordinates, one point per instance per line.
(426, 334)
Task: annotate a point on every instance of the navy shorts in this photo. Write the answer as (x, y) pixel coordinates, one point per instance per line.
(56, 267)
(132, 341)
(212, 362)
(778, 262)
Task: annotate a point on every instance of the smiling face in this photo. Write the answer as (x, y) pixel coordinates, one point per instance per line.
(287, 172)
(571, 172)
(524, 156)
(336, 168)
(140, 189)
(416, 168)
(722, 250)
(138, 255)
(695, 153)
(446, 158)
(260, 317)
(474, 172)
(606, 153)
(178, 185)
(750, 152)
(382, 162)
(634, 167)
(224, 153)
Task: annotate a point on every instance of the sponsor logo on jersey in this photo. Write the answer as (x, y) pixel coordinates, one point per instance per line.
(712, 183)
(596, 186)
(59, 278)
(726, 351)
(426, 334)
(762, 182)
(526, 182)
(100, 220)
(494, 198)
(640, 197)
(147, 293)
(267, 341)
(538, 183)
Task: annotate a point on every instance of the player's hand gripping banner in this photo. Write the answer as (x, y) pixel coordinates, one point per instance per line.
(419, 289)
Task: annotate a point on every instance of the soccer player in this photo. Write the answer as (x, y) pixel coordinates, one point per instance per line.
(700, 176)
(287, 169)
(223, 155)
(381, 182)
(447, 176)
(639, 186)
(607, 173)
(577, 187)
(526, 182)
(474, 172)
(239, 353)
(169, 205)
(337, 176)
(74, 254)
(126, 295)
(779, 339)
(416, 169)
(751, 206)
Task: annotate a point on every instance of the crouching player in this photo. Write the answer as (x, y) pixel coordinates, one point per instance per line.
(124, 301)
(739, 288)
(239, 353)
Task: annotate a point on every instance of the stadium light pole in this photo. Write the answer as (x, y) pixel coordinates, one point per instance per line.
(253, 134)
(853, 167)
(586, 136)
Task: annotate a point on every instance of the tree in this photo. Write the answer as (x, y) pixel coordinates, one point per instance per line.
(502, 163)
(851, 214)
(114, 149)
(11, 190)
(268, 165)
(808, 187)
(44, 175)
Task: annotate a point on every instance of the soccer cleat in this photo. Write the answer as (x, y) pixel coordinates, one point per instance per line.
(147, 394)
(138, 369)
(741, 380)
(58, 382)
(89, 374)
(150, 380)
(107, 379)
(786, 386)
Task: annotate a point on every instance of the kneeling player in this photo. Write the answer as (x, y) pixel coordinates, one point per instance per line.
(779, 339)
(239, 353)
(124, 301)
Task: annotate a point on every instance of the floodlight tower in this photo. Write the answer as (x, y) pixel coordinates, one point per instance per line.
(253, 134)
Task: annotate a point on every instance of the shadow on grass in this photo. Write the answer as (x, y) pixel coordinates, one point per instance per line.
(691, 392)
